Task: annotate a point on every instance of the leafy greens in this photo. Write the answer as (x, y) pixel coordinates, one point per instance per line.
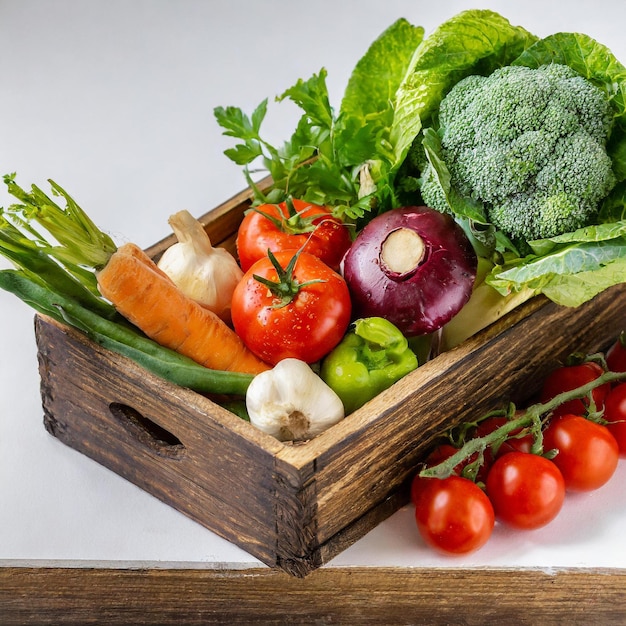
(363, 160)
(329, 155)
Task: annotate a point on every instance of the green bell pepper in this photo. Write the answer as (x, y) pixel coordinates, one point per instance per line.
(372, 356)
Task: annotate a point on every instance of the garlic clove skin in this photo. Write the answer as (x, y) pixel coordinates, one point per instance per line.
(291, 402)
(206, 274)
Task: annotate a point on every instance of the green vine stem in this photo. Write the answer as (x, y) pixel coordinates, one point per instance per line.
(530, 418)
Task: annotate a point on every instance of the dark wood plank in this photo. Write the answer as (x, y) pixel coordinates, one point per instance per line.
(360, 596)
(91, 399)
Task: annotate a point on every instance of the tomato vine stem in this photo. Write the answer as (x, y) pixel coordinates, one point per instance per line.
(530, 417)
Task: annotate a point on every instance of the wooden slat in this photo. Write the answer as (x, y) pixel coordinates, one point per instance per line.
(362, 596)
(208, 480)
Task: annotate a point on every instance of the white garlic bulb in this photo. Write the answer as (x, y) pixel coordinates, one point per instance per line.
(206, 274)
(291, 402)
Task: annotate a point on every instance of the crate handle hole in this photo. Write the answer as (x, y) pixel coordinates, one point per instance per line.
(150, 434)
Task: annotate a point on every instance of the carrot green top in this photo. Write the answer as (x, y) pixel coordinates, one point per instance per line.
(81, 242)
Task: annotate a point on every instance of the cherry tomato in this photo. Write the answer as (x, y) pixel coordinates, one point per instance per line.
(441, 453)
(615, 414)
(616, 355)
(437, 455)
(570, 377)
(521, 444)
(279, 227)
(305, 323)
(588, 453)
(527, 490)
(453, 515)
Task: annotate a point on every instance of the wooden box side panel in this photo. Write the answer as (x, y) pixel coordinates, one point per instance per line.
(368, 466)
(99, 403)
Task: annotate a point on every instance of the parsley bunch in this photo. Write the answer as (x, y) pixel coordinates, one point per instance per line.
(346, 160)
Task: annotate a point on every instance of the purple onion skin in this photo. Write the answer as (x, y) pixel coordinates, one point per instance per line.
(421, 301)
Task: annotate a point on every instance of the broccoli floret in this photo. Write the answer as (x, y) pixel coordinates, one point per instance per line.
(530, 145)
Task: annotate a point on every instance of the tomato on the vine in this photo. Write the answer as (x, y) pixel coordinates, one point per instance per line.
(453, 514)
(616, 355)
(440, 453)
(587, 451)
(615, 415)
(522, 442)
(569, 377)
(292, 225)
(527, 490)
(291, 305)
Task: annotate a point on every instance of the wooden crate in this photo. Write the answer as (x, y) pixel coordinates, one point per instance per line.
(296, 506)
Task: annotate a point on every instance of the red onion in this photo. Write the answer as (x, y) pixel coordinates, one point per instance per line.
(413, 266)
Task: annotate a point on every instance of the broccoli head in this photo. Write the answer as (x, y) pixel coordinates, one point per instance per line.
(530, 145)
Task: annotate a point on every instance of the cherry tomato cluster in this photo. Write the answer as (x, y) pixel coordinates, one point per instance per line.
(291, 302)
(516, 466)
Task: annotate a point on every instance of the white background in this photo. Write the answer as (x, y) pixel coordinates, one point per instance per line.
(114, 101)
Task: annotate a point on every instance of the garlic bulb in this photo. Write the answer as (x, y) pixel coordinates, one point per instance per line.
(206, 274)
(291, 402)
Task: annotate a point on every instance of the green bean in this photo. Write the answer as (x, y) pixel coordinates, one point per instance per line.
(122, 338)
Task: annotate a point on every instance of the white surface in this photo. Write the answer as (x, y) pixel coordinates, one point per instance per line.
(113, 100)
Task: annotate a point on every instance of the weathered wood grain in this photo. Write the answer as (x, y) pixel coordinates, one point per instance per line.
(362, 596)
(209, 477)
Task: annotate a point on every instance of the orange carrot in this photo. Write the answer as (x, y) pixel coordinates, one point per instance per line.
(146, 296)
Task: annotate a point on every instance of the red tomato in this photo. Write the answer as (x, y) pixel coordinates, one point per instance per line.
(521, 444)
(271, 226)
(588, 453)
(616, 355)
(441, 453)
(307, 324)
(615, 413)
(437, 455)
(527, 490)
(570, 377)
(453, 515)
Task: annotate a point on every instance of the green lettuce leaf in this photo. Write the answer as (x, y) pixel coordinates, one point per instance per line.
(568, 276)
(600, 232)
(376, 77)
(472, 42)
